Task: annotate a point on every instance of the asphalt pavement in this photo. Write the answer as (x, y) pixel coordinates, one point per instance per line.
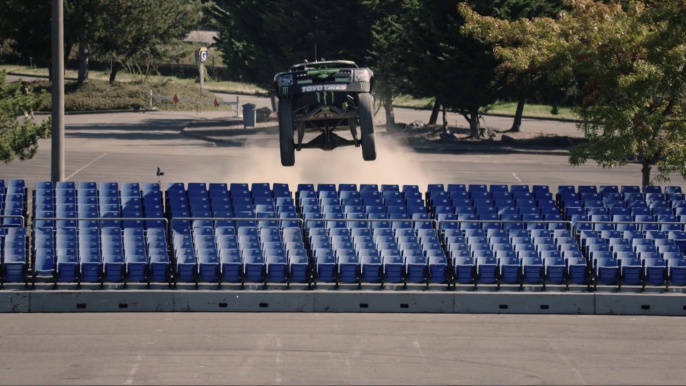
(408, 115)
(336, 349)
(320, 348)
(130, 147)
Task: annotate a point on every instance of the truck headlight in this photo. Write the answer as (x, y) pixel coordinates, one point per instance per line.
(361, 76)
(285, 80)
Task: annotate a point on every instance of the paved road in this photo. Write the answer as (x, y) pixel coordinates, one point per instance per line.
(129, 147)
(340, 349)
(313, 348)
(411, 115)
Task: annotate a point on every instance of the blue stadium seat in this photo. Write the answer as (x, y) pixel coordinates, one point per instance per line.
(509, 266)
(370, 266)
(486, 266)
(631, 268)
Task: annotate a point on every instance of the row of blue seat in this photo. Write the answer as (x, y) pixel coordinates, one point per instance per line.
(197, 194)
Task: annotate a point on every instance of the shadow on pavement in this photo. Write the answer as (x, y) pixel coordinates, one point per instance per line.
(155, 129)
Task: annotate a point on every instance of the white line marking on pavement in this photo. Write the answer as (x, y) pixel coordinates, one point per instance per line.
(247, 365)
(419, 348)
(279, 360)
(87, 165)
(516, 178)
(576, 372)
(134, 369)
(564, 358)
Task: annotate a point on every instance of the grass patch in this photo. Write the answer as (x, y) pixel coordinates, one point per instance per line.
(540, 111)
(165, 85)
(409, 101)
(125, 77)
(98, 95)
(505, 108)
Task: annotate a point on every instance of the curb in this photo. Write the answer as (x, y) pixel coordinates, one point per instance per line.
(205, 138)
(195, 136)
(185, 132)
(107, 112)
(212, 90)
(97, 112)
(567, 120)
(489, 149)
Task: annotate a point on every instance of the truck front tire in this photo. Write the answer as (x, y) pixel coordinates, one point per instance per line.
(286, 132)
(365, 110)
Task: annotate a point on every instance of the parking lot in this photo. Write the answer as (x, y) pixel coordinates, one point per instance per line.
(320, 348)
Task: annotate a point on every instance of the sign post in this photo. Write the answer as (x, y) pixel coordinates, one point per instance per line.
(57, 157)
(202, 54)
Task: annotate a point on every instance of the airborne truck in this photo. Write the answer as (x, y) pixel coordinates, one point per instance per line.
(325, 96)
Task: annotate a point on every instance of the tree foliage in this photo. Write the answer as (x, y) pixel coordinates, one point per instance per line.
(391, 40)
(131, 27)
(135, 27)
(262, 37)
(630, 60)
(26, 24)
(458, 70)
(18, 139)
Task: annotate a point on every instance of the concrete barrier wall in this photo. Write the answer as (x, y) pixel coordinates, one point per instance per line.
(376, 301)
(524, 303)
(342, 301)
(14, 301)
(102, 301)
(244, 301)
(640, 304)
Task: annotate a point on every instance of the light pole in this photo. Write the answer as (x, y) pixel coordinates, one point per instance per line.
(57, 164)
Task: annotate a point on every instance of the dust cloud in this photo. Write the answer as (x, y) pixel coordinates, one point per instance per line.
(395, 164)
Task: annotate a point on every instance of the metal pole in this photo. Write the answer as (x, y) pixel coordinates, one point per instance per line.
(57, 90)
(201, 67)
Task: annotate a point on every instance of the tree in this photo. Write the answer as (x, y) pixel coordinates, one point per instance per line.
(18, 139)
(457, 70)
(523, 85)
(388, 49)
(262, 38)
(132, 28)
(630, 60)
(26, 24)
(81, 29)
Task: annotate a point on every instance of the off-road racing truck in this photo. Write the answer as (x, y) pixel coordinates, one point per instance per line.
(325, 96)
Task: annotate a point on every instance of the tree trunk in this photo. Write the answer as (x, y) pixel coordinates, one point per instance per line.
(388, 106)
(434, 113)
(67, 51)
(83, 60)
(113, 73)
(272, 97)
(517, 124)
(474, 123)
(646, 173)
(445, 120)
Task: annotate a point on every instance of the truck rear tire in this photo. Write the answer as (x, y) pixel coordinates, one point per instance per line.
(286, 132)
(365, 110)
